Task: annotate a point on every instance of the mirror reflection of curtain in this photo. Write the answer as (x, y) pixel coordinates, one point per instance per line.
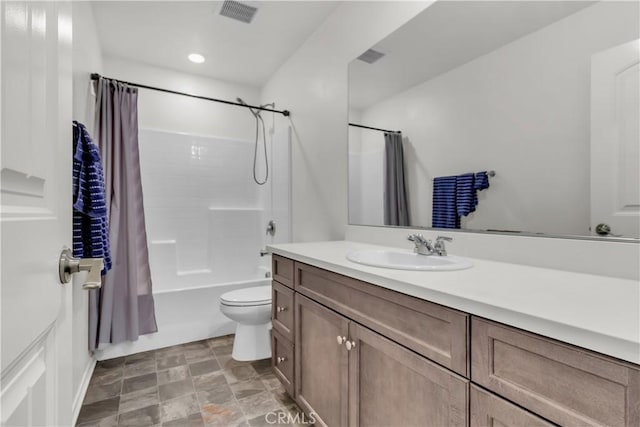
(396, 207)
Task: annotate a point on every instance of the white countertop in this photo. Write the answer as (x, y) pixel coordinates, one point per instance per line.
(595, 312)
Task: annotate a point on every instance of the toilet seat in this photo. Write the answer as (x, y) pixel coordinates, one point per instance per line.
(247, 297)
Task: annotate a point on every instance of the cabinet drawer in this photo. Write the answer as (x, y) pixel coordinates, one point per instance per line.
(488, 410)
(282, 310)
(282, 270)
(565, 384)
(435, 332)
(282, 360)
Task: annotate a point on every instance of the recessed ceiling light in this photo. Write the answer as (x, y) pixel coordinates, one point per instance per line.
(196, 57)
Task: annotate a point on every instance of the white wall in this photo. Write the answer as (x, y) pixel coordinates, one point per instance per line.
(177, 113)
(313, 85)
(87, 58)
(522, 110)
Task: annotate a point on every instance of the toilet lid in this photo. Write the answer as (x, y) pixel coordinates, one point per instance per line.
(258, 295)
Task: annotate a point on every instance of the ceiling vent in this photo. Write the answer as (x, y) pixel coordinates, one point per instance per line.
(238, 11)
(370, 56)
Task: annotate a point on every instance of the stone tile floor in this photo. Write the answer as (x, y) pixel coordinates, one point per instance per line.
(194, 384)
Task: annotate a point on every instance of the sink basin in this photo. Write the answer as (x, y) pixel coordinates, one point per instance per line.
(407, 260)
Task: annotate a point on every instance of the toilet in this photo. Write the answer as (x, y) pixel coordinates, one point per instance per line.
(251, 309)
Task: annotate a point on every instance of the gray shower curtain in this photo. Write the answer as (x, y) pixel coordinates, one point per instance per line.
(396, 207)
(123, 308)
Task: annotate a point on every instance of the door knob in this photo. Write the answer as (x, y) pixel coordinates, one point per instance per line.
(281, 359)
(350, 345)
(341, 340)
(281, 309)
(603, 229)
(69, 265)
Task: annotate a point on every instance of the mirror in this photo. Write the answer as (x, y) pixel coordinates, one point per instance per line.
(536, 99)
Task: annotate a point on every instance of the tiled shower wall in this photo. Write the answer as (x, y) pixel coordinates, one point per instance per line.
(204, 213)
(206, 223)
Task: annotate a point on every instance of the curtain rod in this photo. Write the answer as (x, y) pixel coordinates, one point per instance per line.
(286, 113)
(369, 127)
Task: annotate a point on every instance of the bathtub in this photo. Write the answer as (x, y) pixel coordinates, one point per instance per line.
(183, 315)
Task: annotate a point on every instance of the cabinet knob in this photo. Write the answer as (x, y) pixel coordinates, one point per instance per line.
(280, 359)
(350, 345)
(341, 340)
(280, 309)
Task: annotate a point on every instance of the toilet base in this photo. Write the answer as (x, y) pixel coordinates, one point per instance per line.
(252, 342)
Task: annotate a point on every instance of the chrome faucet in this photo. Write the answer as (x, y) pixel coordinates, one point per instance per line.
(424, 246)
(439, 246)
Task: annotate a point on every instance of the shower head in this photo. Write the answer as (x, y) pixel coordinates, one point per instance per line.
(256, 114)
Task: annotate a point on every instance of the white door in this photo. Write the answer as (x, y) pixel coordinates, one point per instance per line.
(615, 140)
(35, 216)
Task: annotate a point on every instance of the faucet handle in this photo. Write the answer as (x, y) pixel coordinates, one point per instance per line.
(439, 245)
(417, 239)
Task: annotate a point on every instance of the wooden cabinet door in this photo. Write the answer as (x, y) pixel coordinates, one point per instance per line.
(489, 410)
(282, 360)
(282, 309)
(282, 269)
(567, 385)
(321, 363)
(391, 386)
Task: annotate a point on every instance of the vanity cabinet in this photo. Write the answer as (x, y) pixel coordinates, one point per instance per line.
(487, 409)
(282, 270)
(321, 378)
(434, 331)
(390, 385)
(347, 374)
(283, 360)
(282, 322)
(353, 353)
(282, 310)
(562, 383)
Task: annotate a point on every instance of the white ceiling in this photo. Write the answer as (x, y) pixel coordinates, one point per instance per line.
(163, 33)
(445, 36)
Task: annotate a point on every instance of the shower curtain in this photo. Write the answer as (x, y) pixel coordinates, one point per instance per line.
(123, 308)
(396, 208)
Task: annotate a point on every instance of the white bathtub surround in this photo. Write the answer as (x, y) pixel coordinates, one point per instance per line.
(183, 315)
(206, 222)
(595, 312)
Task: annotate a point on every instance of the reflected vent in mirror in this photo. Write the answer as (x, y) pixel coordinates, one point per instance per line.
(370, 56)
(238, 11)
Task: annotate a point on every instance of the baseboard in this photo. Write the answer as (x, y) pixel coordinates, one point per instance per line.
(82, 389)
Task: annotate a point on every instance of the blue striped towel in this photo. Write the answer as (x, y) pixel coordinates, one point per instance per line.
(444, 212)
(466, 196)
(482, 181)
(455, 197)
(90, 223)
